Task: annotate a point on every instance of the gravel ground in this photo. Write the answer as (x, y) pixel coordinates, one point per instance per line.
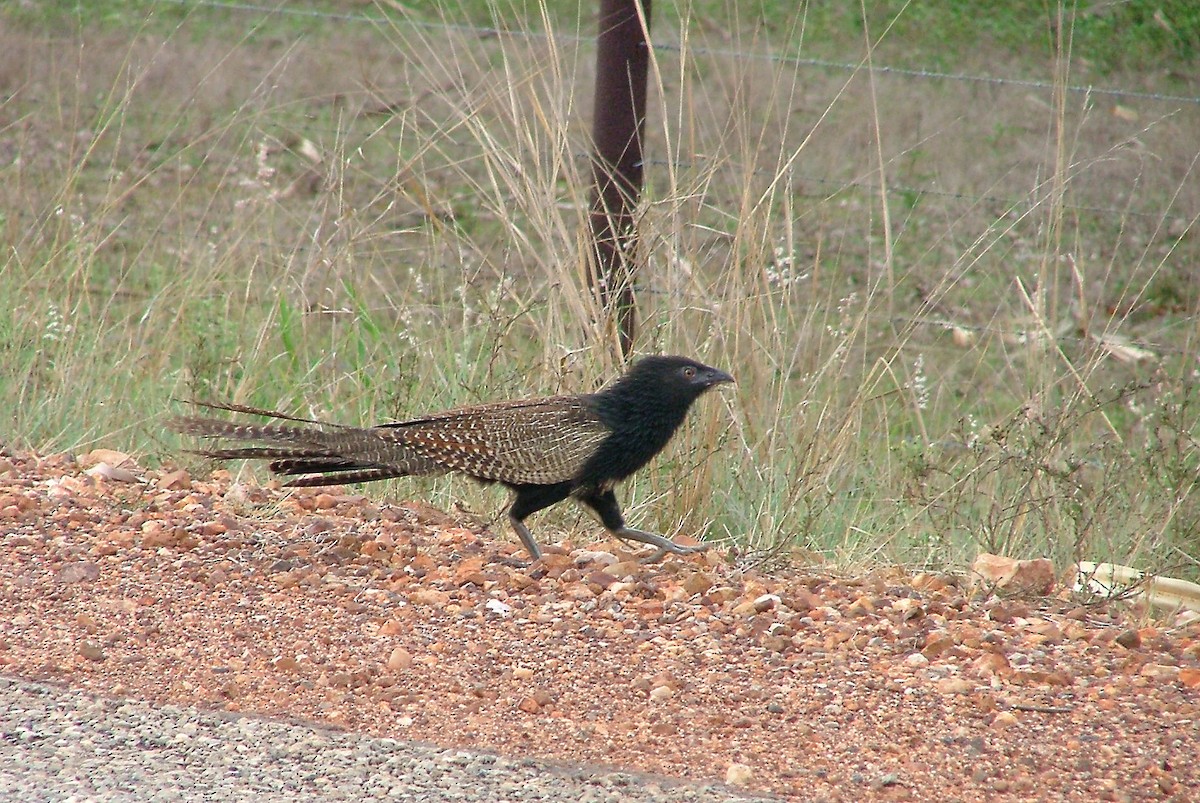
(61, 745)
(396, 621)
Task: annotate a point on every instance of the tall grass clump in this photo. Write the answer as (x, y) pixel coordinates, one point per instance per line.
(960, 313)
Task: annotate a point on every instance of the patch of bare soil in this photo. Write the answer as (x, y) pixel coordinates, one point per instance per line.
(397, 620)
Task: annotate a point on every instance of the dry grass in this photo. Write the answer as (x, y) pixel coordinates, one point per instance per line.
(371, 222)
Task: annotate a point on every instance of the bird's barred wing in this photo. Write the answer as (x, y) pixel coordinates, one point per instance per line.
(536, 442)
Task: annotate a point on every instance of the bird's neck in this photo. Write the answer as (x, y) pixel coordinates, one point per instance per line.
(641, 416)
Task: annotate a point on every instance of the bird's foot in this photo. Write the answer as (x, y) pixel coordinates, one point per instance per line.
(679, 549)
(664, 545)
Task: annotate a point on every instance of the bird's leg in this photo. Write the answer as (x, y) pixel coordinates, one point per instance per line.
(525, 536)
(530, 499)
(606, 507)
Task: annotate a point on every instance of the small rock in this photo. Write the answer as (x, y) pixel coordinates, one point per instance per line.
(996, 572)
(861, 607)
(529, 705)
(660, 693)
(432, 597)
(92, 650)
(955, 686)
(739, 774)
(497, 607)
(908, 608)
(1004, 719)
(885, 780)
(1190, 677)
(766, 602)
(991, 663)
(930, 582)
(1160, 672)
(399, 659)
(285, 663)
(697, 583)
(936, 643)
(1045, 632)
(601, 579)
(212, 528)
(1129, 639)
(175, 480)
(110, 456)
(585, 556)
(113, 473)
(75, 572)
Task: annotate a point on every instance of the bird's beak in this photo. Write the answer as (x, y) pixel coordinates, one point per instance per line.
(715, 376)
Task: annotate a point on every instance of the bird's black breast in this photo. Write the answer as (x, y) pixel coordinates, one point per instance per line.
(638, 430)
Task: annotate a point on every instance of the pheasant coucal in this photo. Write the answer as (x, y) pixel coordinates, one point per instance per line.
(545, 450)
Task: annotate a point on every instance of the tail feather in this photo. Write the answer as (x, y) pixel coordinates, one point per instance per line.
(346, 478)
(315, 453)
(257, 453)
(230, 407)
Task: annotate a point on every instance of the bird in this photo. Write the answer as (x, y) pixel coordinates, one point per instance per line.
(544, 450)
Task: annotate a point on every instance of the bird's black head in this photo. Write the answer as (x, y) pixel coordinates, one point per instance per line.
(643, 409)
(657, 391)
(679, 379)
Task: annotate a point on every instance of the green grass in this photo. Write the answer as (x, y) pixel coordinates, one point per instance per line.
(961, 317)
(1105, 37)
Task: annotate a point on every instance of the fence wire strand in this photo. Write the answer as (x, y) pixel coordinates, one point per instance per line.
(484, 31)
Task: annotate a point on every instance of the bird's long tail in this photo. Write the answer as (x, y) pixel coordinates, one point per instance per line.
(313, 452)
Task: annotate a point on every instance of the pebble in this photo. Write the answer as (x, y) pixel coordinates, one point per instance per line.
(1004, 719)
(399, 659)
(91, 650)
(1129, 639)
(660, 693)
(739, 774)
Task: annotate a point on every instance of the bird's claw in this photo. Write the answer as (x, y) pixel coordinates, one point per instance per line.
(661, 552)
(662, 545)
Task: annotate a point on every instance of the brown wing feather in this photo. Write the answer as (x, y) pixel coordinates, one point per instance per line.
(540, 442)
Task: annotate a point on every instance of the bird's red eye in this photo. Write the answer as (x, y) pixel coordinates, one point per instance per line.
(689, 372)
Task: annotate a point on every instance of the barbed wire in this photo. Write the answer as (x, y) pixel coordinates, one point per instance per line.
(895, 188)
(841, 66)
(837, 185)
